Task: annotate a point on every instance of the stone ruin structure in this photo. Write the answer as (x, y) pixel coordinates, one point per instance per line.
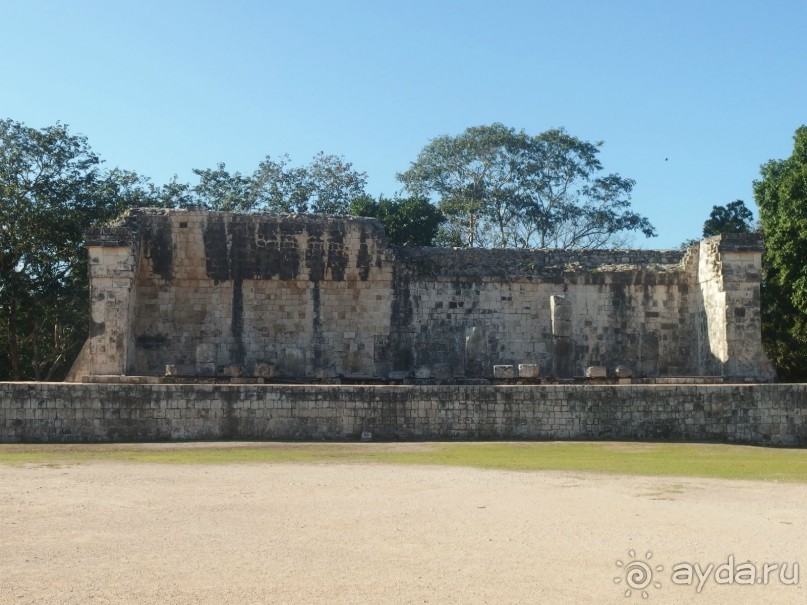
(320, 298)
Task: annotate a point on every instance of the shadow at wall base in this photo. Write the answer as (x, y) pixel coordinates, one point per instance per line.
(762, 414)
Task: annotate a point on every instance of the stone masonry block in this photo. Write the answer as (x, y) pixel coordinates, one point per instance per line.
(503, 371)
(623, 371)
(596, 372)
(442, 372)
(265, 370)
(528, 370)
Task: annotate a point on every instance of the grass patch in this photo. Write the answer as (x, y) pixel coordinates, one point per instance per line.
(653, 459)
(677, 460)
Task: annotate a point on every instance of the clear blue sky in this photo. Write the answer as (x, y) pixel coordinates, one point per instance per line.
(718, 87)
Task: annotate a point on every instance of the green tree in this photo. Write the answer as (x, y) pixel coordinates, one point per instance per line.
(221, 190)
(504, 188)
(781, 195)
(734, 217)
(407, 221)
(51, 190)
(326, 185)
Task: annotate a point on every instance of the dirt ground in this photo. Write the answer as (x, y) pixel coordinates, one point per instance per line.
(106, 532)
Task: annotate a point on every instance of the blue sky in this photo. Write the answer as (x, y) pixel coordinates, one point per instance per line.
(689, 97)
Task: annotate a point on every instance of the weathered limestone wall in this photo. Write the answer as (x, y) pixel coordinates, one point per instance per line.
(309, 297)
(728, 306)
(59, 412)
(218, 289)
(114, 257)
(478, 308)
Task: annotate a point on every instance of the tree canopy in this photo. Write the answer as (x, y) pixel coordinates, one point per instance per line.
(734, 217)
(52, 189)
(407, 221)
(781, 195)
(504, 188)
(326, 185)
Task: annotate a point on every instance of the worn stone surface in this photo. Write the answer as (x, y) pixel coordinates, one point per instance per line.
(596, 372)
(59, 412)
(423, 372)
(528, 370)
(503, 371)
(443, 373)
(321, 296)
(623, 371)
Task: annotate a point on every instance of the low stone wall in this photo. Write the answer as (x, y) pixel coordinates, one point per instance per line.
(59, 412)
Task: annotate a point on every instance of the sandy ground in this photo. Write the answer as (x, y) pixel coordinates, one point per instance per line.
(337, 533)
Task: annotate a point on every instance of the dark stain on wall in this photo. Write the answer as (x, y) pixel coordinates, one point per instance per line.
(237, 322)
(159, 246)
(251, 248)
(216, 258)
(337, 257)
(289, 266)
(619, 298)
(315, 254)
(267, 250)
(381, 354)
(401, 313)
(274, 248)
(401, 307)
(151, 342)
(242, 266)
(289, 257)
(562, 356)
(96, 328)
(316, 325)
(363, 258)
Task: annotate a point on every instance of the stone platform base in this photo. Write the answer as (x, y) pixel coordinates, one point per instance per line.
(59, 412)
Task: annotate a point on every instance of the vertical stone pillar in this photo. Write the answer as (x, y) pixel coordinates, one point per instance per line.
(561, 314)
(114, 257)
(729, 273)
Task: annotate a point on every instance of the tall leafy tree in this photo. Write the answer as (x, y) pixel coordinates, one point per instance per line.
(781, 195)
(504, 188)
(407, 221)
(734, 217)
(221, 190)
(52, 189)
(326, 185)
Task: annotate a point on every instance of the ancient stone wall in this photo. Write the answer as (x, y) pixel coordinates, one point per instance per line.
(59, 412)
(728, 307)
(218, 289)
(311, 297)
(478, 308)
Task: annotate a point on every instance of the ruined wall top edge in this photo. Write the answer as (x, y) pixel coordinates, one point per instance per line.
(736, 242)
(449, 262)
(127, 228)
